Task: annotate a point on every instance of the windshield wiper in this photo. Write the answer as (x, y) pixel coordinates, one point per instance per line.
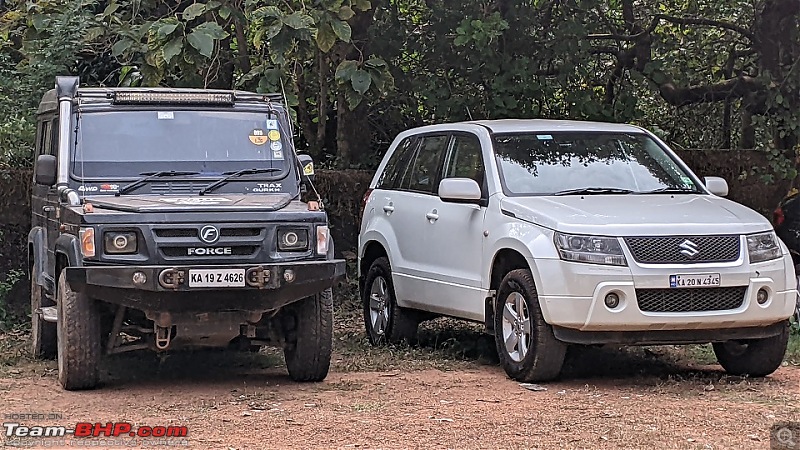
(229, 175)
(151, 176)
(593, 191)
(670, 190)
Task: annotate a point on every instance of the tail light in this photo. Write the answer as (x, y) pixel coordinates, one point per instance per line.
(364, 201)
(778, 217)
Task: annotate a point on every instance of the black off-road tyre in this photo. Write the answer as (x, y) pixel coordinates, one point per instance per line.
(309, 337)
(756, 358)
(400, 325)
(44, 335)
(545, 354)
(79, 335)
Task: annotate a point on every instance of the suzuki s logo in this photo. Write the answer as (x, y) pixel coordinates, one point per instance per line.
(689, 248)
(209, 234)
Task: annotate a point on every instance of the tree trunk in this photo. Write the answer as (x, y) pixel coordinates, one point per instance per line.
(352, 134)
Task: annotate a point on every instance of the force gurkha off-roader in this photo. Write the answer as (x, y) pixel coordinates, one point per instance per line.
(168, 218)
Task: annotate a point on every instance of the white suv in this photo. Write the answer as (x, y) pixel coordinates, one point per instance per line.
(560, 232)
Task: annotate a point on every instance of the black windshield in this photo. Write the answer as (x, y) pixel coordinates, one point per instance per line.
(123, 144)
(549, 163)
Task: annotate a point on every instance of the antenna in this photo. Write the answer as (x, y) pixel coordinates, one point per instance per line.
(469, 113)
(294, 150)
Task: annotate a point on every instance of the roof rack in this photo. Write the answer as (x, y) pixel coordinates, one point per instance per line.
(154, 95)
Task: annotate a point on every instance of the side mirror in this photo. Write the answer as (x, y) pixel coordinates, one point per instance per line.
(308, 166)
(459, 190)
(717, 186)
(46, 168)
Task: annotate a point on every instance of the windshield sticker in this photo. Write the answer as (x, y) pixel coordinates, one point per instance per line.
(109, 187)
(276, 145)
(308, 169)
(165, 115)
(544, 137)
(268, 187)
(687, 182)
(257, 137)
(274, 135)
(277, 154)
(195, 200)
(272, 124)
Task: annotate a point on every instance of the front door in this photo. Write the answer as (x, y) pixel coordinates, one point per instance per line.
(456, 236)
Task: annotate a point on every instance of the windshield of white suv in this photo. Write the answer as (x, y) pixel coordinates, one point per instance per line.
(128, 143)
(587, 163)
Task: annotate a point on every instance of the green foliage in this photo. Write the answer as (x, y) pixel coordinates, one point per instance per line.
(398, 63)
(6, 285)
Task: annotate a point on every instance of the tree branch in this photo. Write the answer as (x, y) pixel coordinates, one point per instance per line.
(679, 21)
(732, 88)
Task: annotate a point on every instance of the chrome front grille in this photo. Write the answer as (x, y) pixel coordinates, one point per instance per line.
(690, 300)
(684, 249)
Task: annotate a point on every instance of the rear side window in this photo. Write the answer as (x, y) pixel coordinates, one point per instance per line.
(423, 172)
(390, 178)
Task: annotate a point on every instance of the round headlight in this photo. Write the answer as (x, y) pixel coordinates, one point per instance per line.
(290, 239)
(120, 241)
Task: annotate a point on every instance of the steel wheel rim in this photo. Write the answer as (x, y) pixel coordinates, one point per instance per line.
(516, 327)
(379, 305)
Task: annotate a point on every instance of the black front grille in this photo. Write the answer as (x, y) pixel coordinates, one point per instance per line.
(690, 300)
(240, 232)
(176, 232)
(684, 249)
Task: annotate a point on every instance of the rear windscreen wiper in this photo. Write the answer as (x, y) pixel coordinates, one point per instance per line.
(593, 190)
(670, 190)
(229, 175)
(153, 175)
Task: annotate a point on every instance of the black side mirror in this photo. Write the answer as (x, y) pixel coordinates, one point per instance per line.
(46, 168)
(308, 166)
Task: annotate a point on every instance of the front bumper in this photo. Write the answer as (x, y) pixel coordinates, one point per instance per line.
(572, 298)
(167, 288)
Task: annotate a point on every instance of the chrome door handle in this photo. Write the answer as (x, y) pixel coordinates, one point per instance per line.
(432, 216)
(48, 209)
(388, 208)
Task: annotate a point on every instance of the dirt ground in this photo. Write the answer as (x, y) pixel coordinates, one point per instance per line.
(446, 393)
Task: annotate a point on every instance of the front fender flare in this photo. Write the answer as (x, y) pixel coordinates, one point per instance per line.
(37, 257)
(67, 245)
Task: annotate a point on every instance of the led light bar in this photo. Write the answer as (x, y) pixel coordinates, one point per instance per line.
(205, 98)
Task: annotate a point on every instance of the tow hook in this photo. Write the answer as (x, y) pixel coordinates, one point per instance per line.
(171, 278)
(257, 277)
(163, 337)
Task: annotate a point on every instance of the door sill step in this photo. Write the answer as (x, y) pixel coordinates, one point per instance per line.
(49, 313)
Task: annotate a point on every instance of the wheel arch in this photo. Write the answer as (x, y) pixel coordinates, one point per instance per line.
(505, 259)
(372, 250)
(68, 253)
(36, 252)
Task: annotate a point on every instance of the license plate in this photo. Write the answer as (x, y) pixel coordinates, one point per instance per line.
(694, 280)
(216, 278)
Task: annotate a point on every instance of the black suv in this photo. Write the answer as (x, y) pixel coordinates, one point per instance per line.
(169, 218)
